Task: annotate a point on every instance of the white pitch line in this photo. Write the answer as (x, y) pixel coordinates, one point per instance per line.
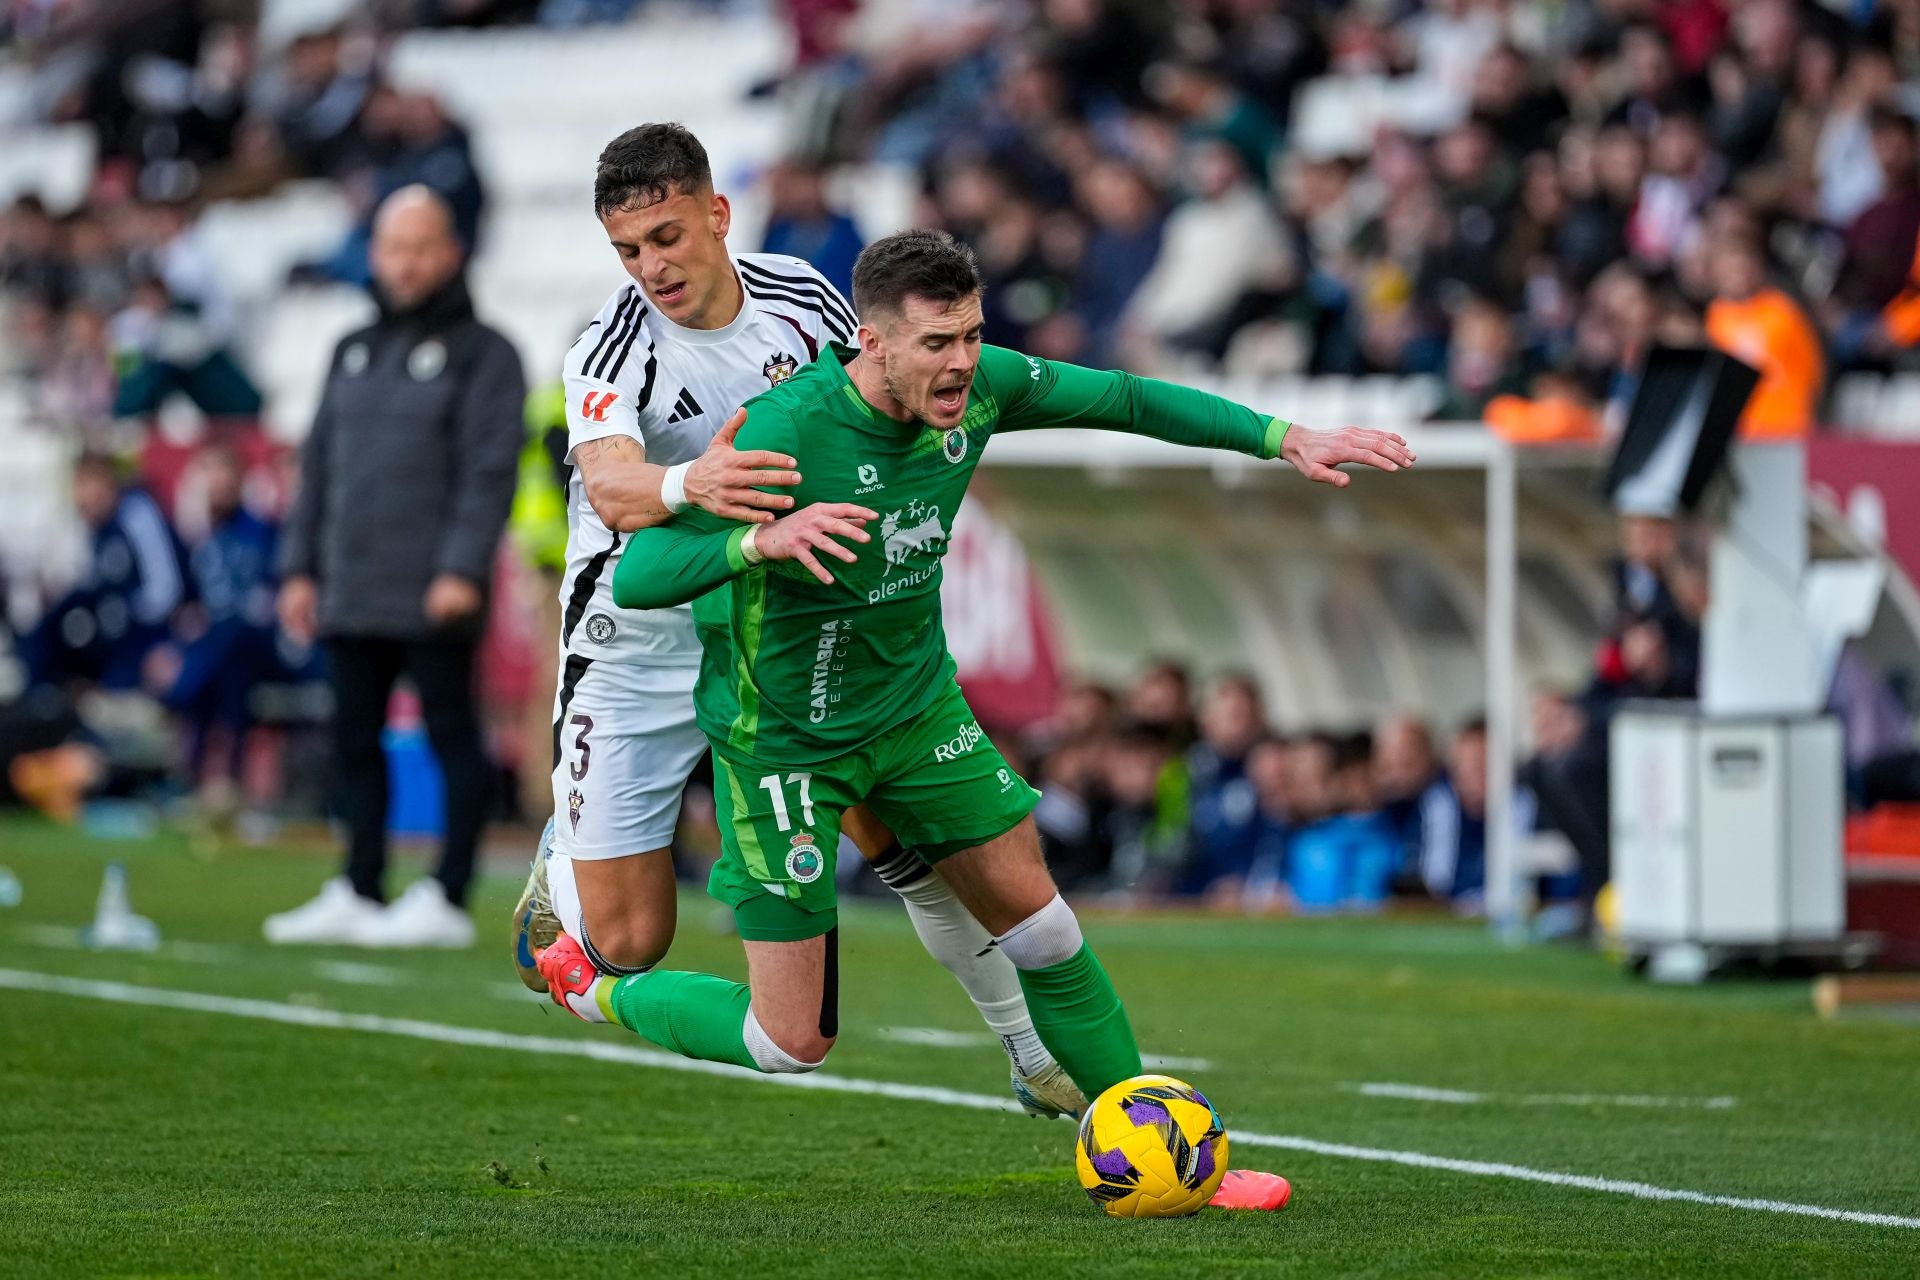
(603, 1051)
(941, 1038)
(1468, 1097)
(933, 1037)
(357, 974)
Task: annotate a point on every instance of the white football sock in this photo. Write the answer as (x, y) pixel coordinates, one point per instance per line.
(960, 943)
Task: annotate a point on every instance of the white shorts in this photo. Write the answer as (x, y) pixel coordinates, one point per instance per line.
(628, 740)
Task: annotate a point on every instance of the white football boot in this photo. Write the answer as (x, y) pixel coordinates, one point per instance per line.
(535, 926)
(338, 916)
(1050, 1093)
(422, 917)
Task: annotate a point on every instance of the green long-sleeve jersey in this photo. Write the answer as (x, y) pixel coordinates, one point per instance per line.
(795, 671)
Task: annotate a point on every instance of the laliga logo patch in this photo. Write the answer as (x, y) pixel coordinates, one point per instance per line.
(779, 367)
(427, 360)
(804, 862)
(955, 445)
(575, 802)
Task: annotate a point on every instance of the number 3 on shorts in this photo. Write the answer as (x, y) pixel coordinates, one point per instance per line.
(782, 818)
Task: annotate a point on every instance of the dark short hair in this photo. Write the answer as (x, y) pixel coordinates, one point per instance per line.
(923, 264)
(646, 164)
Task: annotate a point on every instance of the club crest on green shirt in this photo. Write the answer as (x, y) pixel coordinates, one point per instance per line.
(955, 445)
(804, 863)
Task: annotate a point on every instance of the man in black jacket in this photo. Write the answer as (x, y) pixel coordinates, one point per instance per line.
(406, 481)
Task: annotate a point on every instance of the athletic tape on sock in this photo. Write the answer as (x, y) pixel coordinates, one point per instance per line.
(1047, 937)
(768, 1056)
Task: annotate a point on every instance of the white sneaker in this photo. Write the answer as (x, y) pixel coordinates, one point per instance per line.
(422, 917)
(338, 915)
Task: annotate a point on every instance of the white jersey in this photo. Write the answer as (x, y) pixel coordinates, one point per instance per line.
(636, 373)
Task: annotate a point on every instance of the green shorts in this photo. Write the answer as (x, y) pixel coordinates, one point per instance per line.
(936, 781)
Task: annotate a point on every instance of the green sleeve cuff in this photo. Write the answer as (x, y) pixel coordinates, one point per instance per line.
(736, 558)
(1276, 432)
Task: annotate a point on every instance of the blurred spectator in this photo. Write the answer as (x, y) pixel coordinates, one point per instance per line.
(1879, 244)
(1225, 801)
(1453, 844)
(801, 225)
(103, 630)
(1483, 361)
(1195, 296)
(227, 637)
(1120, 251)
(1210, 107)
(164, 345)
(1410, 785)
(1162, 699)
(1656, 652)
(410, 142)
(314, 97)
(1146, 826)
(1761, 325)
(406, 482)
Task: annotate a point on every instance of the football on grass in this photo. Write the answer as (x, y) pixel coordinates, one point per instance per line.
(1151, 1147)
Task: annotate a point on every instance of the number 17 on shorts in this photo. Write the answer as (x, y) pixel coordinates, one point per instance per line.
(778, 831)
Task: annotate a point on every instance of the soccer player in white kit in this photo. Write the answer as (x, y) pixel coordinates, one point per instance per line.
(652, 389)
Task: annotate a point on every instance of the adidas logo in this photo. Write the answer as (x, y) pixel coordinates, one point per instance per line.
(685, 407)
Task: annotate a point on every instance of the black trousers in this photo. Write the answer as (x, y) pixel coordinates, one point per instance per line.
(363, 670)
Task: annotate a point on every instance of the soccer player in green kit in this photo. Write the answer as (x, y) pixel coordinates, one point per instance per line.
(826, 680)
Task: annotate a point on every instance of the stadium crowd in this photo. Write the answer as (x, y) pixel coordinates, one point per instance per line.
(1146, 185)
(1154, 183)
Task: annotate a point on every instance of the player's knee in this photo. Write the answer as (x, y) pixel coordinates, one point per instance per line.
(633, 941)
(784, 1050)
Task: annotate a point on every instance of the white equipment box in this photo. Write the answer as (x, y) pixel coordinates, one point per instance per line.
(1727, 830)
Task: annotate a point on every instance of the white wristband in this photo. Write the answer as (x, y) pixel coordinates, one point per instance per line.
(673, 487)
(749, 549)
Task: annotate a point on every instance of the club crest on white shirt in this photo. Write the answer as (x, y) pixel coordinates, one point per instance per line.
(779, 367)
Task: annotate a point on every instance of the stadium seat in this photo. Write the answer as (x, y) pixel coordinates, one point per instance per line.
(54, 162)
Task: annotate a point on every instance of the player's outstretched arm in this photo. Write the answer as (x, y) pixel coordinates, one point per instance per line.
(628, 493)
(1044, 393)
(695, 552)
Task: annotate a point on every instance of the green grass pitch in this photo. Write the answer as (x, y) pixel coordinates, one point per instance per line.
(139, 1140)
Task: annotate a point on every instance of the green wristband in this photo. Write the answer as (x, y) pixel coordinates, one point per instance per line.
(1277, 429)
(736, 558)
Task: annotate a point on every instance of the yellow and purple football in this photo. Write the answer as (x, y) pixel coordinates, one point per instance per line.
(1151, 1147)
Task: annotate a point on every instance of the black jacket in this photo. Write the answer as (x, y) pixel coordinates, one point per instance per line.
(409, 470)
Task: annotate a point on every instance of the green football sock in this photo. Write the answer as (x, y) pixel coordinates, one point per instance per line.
(1081, 1020)
(694, 1014)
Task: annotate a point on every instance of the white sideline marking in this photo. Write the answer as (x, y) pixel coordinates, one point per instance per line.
(1467, 1097)
(933, 1037)
(357, 974)
(603, 1051)
(941, 1038)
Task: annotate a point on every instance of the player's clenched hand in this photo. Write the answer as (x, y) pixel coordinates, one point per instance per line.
(810, 529)
(722, 479)
(1316, 453)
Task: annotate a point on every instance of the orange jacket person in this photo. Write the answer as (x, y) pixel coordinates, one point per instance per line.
(1761, 325)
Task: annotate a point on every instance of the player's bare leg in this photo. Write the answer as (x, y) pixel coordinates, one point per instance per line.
(962, 944)
(1005, 884)
(626, 907)
(784, 1019)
